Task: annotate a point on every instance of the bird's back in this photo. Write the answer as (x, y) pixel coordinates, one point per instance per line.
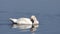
(24, 21)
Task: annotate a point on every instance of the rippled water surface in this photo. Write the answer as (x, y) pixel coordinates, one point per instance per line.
(46, 11)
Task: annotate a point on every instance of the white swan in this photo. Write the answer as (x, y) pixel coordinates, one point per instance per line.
(31, 20)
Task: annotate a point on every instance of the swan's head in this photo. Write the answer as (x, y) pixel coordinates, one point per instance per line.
(13, 20)
(33, 17)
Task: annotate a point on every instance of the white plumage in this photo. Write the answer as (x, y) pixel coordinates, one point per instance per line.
(25, 20)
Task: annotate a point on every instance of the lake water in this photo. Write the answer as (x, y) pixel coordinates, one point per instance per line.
(46, 11)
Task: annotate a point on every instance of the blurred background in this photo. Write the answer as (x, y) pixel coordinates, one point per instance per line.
(46, 11)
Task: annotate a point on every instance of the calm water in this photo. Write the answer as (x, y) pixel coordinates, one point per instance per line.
(46, 11)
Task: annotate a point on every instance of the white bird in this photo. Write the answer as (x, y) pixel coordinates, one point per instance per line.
(32, 20)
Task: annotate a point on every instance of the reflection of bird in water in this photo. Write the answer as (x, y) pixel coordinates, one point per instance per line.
(34, 28)
(25, 28)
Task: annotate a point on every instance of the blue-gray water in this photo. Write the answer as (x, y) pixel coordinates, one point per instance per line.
(46, 11)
